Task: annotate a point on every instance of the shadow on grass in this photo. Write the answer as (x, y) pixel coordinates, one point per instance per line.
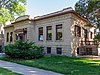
(63, 64)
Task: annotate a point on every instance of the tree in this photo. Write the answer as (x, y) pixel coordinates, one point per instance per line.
(97, 38)
(90, 9)
(9, 9)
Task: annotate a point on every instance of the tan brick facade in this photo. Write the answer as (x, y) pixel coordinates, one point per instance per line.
(67, 18)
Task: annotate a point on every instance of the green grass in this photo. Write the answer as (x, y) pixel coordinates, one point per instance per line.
(63, 64)
(7, 72)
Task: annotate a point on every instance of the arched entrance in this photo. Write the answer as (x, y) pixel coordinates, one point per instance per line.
(21, 34)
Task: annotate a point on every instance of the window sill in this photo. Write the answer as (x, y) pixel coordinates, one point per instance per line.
(40, 41)
(59, 54)
(59, 41)
(49, 40)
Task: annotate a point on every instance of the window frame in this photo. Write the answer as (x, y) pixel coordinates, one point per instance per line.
(39, 33)
(7, 38)
(48, 50)
(16, 36)
(86, 34)
(47, 33)
(91, 35)
(11, 36)
(77, 31)
(57, 50)
(57, 28)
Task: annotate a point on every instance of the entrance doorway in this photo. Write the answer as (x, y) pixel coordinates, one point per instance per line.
(21, 34)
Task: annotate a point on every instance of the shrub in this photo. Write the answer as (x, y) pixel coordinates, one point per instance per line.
(24, 50)
(97, 37)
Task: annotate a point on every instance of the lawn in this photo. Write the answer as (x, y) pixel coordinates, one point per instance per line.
(7, 72)
(63, 64)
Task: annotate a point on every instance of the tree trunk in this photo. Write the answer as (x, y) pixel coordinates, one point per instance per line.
(2, 36)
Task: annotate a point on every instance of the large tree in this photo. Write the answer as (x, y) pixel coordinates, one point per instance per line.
(89, 9)
(9, 9)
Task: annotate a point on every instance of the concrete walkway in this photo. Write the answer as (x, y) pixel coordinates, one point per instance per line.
(25, 70)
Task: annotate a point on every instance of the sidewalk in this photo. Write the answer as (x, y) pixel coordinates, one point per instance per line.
(25, 70)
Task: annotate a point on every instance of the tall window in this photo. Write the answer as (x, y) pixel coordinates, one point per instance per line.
(91, 35)
(49, 32)
(59, 32)
(16, 36)
(7, 37)
(77, 31)
(86, 34)
(59, 50)
(11, 36)
(40, 38)
(48, 50)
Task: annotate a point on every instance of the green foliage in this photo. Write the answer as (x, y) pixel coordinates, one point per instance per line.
(97, 38)
(89, 9)
(7, 72)
(9, 9)
(63, 64)
(23, 50)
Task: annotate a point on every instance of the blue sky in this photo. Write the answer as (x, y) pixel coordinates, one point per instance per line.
(41, 7)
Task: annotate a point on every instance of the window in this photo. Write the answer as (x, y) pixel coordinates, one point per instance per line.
(91, 35)
(77, 50)
(86, 34)
(7, 37)
(11, 36)
(77, 31)
(59, 50)
(40, 34)
(16, 36)
(59, 32)
(48, 50)
(49, 32)
(20, 36)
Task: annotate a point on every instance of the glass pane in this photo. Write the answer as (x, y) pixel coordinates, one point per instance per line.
(48, 50)
(40, 34)
(49, 33)
(59, 32)
(59, 50)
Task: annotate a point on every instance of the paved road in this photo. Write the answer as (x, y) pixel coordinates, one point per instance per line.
(25, 70)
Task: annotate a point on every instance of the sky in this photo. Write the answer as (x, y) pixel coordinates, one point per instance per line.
(42, 7)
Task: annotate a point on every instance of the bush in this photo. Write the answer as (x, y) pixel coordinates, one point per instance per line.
(23, 50)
